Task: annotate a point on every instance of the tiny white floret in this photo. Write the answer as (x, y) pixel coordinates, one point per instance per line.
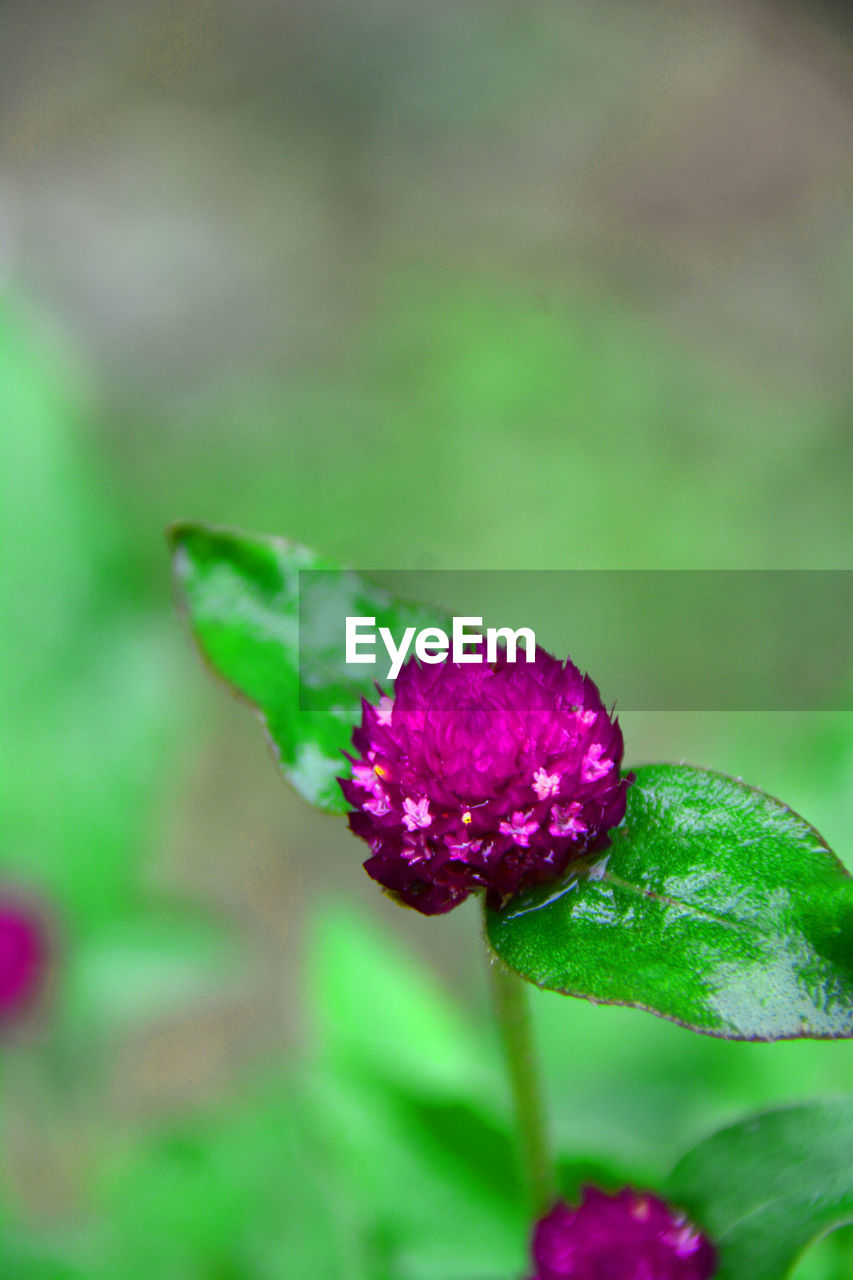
(595, 764)
(416, 813)
(383, 711)
(521, 828)
(565, 821)
(545, 784)
(378, 805)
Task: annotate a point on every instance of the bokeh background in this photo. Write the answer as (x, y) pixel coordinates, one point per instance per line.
(424, 285)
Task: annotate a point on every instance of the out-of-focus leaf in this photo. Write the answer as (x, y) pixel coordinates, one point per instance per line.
(716, 907)
(242, 1192)
(379, 1012)
(84, 672)
(26, 1258)
(440, 1214)
(148, 966)
(408, 1092)
(765, 1188)
(410, 1095)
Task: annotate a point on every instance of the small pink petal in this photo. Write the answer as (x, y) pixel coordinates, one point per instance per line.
(545, 784)
(384, 710)
(378, 805)
(416, 813)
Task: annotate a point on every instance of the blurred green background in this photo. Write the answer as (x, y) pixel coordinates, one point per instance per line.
(445, 285)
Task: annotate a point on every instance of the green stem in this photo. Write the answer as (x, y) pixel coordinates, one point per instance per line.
(510, 1004)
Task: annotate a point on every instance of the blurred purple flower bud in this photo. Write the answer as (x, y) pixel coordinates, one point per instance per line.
(23, 958)
(627, 1236)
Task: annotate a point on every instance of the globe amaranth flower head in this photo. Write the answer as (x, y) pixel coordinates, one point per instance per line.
(23, 958)
(483, 776)
(626, 1236)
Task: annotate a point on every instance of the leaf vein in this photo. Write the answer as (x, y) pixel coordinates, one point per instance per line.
(656, 896)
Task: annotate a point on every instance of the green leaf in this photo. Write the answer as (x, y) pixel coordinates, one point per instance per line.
(765, 1188)
(426, 1041)
(716, 906)
(239, 1190)
(268, 617)
(146, 967)
(86, 695)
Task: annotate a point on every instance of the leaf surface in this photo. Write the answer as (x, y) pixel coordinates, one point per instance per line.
(269, 616)
(766, 1188)
(716, 906)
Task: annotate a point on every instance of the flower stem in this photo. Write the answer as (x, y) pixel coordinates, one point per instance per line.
(510, 1003)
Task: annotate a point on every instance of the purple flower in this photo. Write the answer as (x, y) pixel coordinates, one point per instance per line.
(627, 1236)
(483, 776)
(23, 958)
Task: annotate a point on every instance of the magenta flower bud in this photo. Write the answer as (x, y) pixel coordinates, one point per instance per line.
(627, 1236)
(23, 958)
(483, 776)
